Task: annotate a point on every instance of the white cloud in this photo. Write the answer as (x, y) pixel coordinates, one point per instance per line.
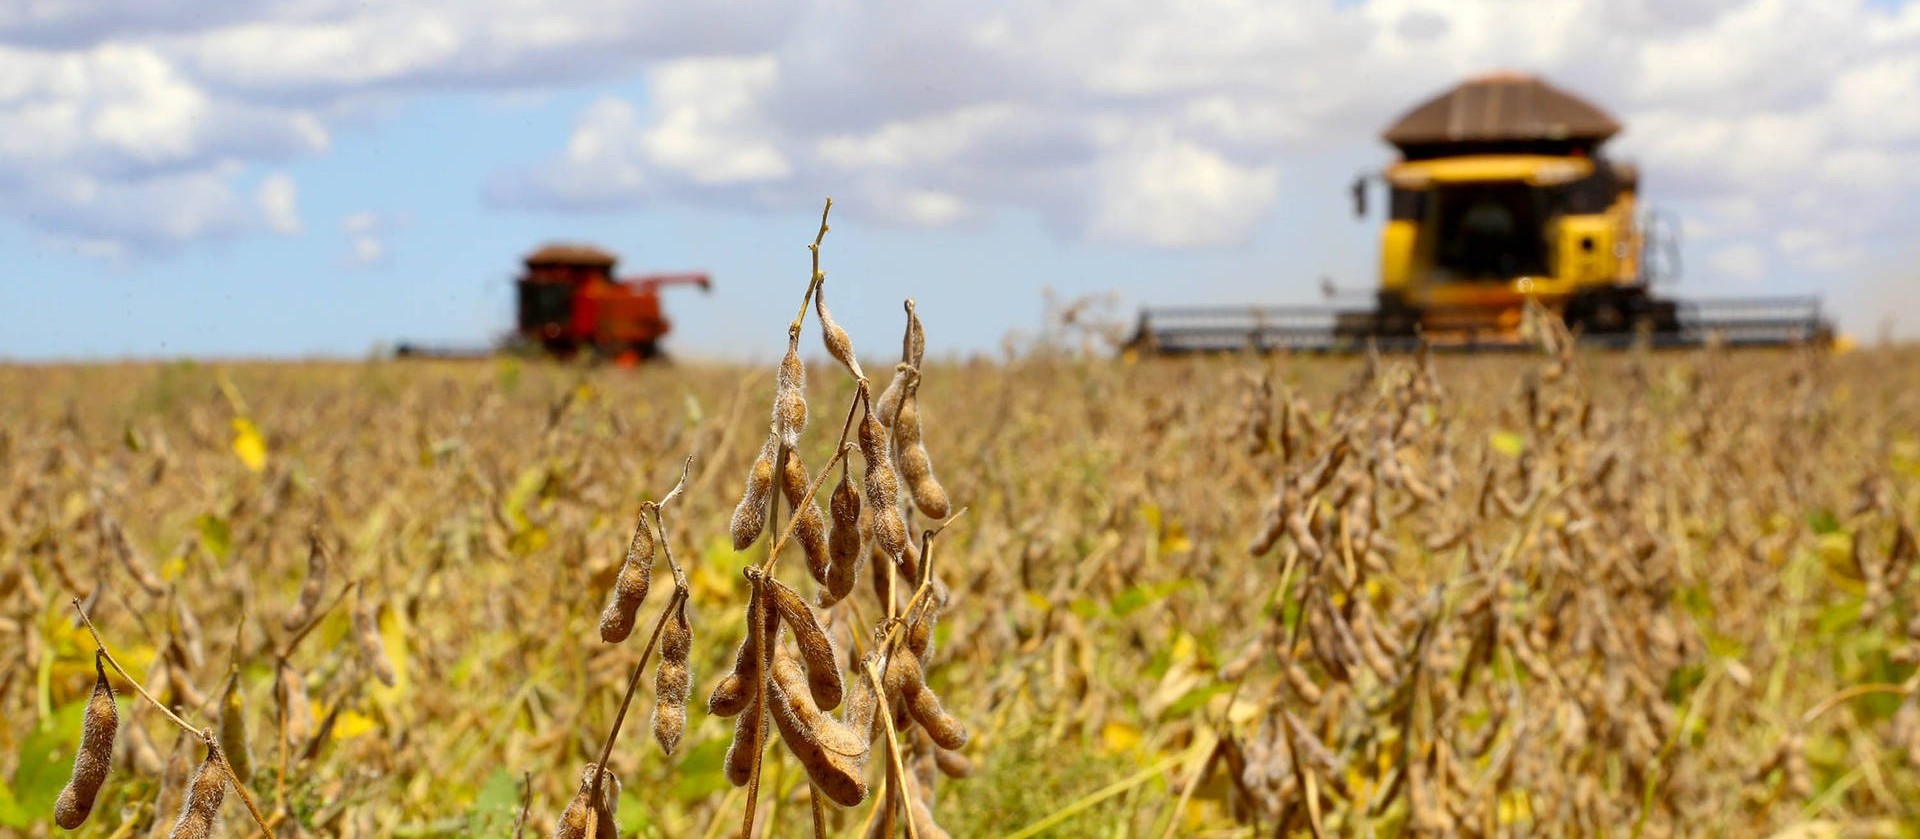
(1172, 193)
(1172, 124)
(278, 198)
(188, 100)
(709, 127)
(1741, 263)
(1162, 123)
(366, 239)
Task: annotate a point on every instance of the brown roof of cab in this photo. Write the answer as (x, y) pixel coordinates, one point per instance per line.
(1502, 106)
(571, 253)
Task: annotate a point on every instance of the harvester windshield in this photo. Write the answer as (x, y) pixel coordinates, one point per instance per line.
(1488, 231)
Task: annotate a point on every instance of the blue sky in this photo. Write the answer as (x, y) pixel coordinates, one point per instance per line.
(318, 177)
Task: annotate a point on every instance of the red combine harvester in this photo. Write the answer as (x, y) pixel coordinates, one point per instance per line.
(570, 302)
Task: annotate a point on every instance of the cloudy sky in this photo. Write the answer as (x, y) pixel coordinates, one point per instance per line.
(232, 177)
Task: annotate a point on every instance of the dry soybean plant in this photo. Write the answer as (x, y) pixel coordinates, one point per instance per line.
(188, 807)
(1555, 671)
(205, 792)
(790, 692)
(1558, 593)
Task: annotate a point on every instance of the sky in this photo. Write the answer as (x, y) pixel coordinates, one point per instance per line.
(234, 178)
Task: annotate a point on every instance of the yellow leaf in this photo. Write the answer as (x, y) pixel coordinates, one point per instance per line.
(1119, 737)
(350, 724)
(393, 638)
(1507, 443)
(1836, 551)
(248, 445)
(1515, 807)
(1184, 648)
(711, 584)
(1360, 786)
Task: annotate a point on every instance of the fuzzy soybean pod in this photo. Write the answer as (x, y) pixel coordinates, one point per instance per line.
(90, 764)
(749, 736)
(204, 794)
(750, 726)
(913, 348)
(838, 344)
(736, 689)
(750, 517)
(609, 801)
(816, 647)
(172, 786)
(863, 704)
(843, 540)
(883, 489)
(790, 397)
(576, 819)
(366, 629)
(920, 812)
(887, 404)
(906, 573)
(315, 585)
(916, 466)
(923, 704)
(630, 587)
(233, 730)
(920, 631)
(952, 764)
(832, 754)
(673, 681)
(808, 524)
(290, 690)
(581, 812)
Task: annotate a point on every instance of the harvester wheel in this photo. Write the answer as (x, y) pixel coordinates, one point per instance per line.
(1616, 312)
(1663, 316)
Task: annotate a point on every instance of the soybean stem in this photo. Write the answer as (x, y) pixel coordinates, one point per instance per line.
(102, 646)
(633, 684)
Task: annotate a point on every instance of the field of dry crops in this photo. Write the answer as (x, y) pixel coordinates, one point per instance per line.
(1664, 595)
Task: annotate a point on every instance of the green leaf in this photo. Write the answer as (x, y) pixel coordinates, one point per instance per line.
(525, 489)
(46, 759)
(11, 814)
(1841, 614)
(497, 805)
(632, 815)
(1823, 522)
(1193, 699)
(1134, 598)
(1695, 600)
(698, 775)
(1721, 646)
(215, 534)
(1682, 682)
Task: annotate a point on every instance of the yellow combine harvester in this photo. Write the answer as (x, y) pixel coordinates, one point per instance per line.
(1502, 197)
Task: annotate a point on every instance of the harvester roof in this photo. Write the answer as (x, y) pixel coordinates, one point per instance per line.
(571, 253)
(1497, 108)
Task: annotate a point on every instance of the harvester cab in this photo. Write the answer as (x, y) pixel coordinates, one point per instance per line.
(1502, 197)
